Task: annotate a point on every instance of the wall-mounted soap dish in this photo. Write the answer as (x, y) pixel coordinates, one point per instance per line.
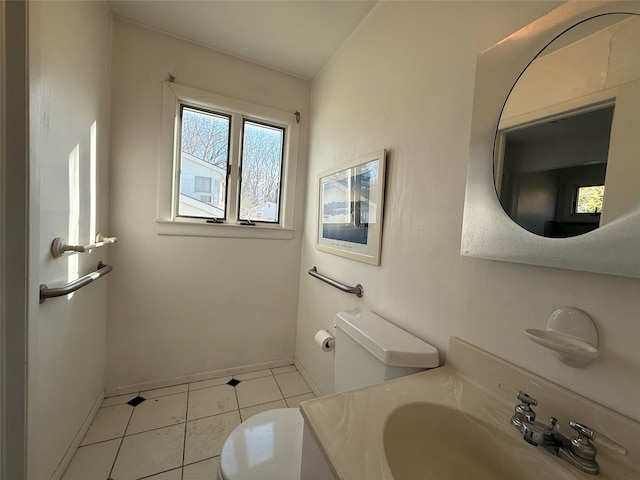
(571, 334)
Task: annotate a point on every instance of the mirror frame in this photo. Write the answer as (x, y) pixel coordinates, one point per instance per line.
(487, 231)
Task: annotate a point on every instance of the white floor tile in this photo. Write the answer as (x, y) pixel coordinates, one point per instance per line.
(288, 368)
(252, 375)
(209, 383)
(204, 470)
(249, 412)
(93, 462)
(170, 475)
(295, 401)
(292, 384)
(155, 445)
(118, 399)
(160, 392)
(206, 436)
(109, 423)
(211, 401)
(158, 412)
(257, 391)
(148, 453)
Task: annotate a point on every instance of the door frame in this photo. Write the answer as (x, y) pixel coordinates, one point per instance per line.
(14, 238)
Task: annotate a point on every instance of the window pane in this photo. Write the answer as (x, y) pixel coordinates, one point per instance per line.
(203, 184)
(204, 157)
(589, 199)
(262, 148)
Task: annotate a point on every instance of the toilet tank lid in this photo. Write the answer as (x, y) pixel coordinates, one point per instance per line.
(387, 342)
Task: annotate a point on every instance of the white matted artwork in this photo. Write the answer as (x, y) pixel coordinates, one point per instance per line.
(350, 209)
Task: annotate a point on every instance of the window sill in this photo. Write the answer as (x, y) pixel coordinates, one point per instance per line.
(224, 230)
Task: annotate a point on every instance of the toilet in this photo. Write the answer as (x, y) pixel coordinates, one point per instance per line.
(368, 350)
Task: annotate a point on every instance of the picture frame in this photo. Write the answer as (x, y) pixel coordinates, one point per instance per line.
(350, 208)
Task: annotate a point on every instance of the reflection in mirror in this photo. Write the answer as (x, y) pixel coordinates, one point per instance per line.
(552, 177)
(569, 131)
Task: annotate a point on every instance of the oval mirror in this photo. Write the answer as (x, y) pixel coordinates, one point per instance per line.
(566, 158)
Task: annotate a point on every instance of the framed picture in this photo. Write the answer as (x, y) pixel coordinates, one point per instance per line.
(350, 209)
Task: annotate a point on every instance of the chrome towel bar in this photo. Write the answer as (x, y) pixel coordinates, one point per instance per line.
(59, 245)
(358, 290)
(46, 292)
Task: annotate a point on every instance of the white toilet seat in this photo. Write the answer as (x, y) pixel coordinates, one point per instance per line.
(268, 446)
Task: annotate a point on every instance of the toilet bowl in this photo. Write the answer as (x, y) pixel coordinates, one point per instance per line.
(368, 350)
(267, 446)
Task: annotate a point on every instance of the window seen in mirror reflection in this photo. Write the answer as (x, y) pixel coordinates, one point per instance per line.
(553, 172)
(589, 200)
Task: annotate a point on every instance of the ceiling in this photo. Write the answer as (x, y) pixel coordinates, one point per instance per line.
(295, 36)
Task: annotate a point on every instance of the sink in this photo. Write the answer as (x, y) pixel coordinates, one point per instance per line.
(428, 440)
(454, 423)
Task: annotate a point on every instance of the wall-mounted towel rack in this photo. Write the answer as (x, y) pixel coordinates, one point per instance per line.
(59, 245)
(46, 292)
(358, 290)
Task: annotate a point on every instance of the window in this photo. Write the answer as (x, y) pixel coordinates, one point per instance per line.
(261, 172)
(203, 184)
(227, 167)
(203, 155)
(588, 200)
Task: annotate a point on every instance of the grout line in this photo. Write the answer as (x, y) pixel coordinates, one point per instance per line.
(155, 428)
(199, 461)
(184, 440)
(158, 473)
(115, 459)
(235, 392)
(281, 392)
(254, 378)
(164, 395)
(98, 442)
(133, 394)
(209, 386)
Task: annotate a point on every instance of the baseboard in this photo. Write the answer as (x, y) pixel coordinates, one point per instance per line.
(196, 377)
(71, 451)
(308, 379)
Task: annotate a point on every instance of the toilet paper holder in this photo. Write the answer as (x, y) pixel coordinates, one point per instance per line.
(324, 340)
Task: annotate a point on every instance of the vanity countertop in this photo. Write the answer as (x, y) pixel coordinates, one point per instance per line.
(349, 427)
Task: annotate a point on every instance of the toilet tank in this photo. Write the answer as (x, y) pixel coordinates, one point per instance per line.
(370, 350)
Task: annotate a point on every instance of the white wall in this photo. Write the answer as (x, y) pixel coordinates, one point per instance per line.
(405, 82)
(180, 306)
(69, 52)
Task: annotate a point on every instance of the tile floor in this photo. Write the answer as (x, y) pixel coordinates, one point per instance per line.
(177, 432)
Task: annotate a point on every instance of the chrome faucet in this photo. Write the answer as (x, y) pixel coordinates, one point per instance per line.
(578, 451)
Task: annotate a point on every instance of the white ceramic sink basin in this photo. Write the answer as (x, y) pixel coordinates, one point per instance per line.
(427, 440)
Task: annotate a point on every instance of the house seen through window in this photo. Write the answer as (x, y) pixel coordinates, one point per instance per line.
(206, 173)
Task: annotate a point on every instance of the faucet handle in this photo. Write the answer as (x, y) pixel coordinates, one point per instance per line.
(526, 399)
(523, 411)
(580, 445)
(591, 434)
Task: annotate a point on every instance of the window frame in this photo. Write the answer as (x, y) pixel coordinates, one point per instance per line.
(178, 160)
(576, 195)
(168, 221)
(246, 120)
